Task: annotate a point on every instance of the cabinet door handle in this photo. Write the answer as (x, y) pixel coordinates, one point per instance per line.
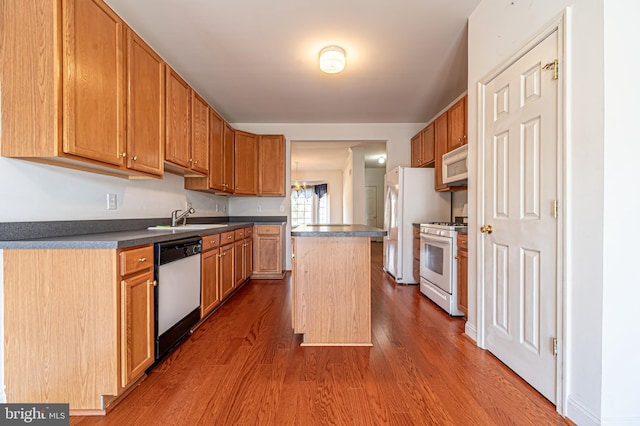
(195, 162)
(135, 157)
(123, 155)
(191, 160)
(142, 259)
(153, 283)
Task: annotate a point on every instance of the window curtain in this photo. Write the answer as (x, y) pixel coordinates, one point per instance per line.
(320, 190)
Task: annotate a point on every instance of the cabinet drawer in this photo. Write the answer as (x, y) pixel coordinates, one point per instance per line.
(227, 237)
(268, 230)
(248, 232)
(210, 241)
(239, 234)
(134, 260)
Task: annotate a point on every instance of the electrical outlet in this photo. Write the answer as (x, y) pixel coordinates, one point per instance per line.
(224, 208)
(282, 208)
(259, 208)
(217, 208)
(187, 205)
(112, 202)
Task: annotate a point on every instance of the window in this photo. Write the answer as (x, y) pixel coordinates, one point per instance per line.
(301, 211)
(312, 207)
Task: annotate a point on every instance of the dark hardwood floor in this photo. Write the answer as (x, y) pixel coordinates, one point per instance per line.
(244, 366)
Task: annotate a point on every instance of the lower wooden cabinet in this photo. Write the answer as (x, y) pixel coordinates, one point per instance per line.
(227, 273)
(463, 270)
(267, 252)
(210, 294)
(416, 254)
(82, 307)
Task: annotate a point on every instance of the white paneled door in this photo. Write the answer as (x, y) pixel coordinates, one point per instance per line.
(519, 224)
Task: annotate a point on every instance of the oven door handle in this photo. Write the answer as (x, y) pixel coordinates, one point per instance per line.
(435, 238)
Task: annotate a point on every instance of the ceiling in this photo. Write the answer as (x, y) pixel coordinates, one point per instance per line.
(332, 155)
(255, 61)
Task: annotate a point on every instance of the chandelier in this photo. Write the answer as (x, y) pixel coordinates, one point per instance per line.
(298, 190)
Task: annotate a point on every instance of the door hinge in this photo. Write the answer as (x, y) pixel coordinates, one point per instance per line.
(555, 346)
(555, 209)
(554, 65)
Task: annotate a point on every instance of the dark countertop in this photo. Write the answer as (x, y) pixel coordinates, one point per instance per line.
(116, 240)
(112, 234)
(337, 230)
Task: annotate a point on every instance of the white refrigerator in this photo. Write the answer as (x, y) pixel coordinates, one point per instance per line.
(410, 198)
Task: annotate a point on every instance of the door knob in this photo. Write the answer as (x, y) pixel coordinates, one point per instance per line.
(486, 228)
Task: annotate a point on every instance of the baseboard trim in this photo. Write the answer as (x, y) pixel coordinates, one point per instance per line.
(579, 414)
(471, 331)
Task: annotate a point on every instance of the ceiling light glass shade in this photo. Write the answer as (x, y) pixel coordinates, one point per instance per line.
(381, 159)
(332, 59)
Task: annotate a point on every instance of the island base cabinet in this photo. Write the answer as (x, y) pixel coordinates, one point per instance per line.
(332, 290)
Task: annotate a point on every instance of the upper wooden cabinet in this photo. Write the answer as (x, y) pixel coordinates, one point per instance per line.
(457, 124)
(271, 170)
(441, 143)
(416, 150)
(229, 163)
(118, 109)
(178, 121)
(246, 163)
(145, 107)
(93, 86)
(422, 148)
(428, 146)
(441, 138)
(216, 154)
(199, 159)
(84, 109)
(187, 128)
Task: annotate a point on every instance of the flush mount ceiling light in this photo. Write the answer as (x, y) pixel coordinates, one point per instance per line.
(381, 159)
(332, 59)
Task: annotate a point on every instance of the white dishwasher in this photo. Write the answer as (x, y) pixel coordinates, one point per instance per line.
(177, 295)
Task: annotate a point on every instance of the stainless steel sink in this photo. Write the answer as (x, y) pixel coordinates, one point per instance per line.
(188, 227)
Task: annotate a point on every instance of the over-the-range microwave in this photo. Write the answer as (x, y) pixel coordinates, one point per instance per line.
(455, 168)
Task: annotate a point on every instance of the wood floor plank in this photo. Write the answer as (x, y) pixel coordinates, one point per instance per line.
(244, 366)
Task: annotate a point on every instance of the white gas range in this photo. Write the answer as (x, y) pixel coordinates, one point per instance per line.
(438, 264)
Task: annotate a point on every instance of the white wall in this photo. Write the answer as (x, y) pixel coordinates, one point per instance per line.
(598, 262)
(353, 188)
(458, 200)
(38, 192)
(347, 190)
(621, 275)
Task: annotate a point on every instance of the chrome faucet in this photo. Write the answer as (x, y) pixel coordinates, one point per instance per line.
(175, 218)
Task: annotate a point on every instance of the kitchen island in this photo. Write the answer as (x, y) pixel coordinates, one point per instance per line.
(331, 279)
